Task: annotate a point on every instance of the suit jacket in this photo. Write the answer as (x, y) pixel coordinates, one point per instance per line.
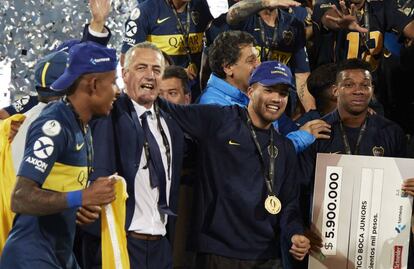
(118, 141)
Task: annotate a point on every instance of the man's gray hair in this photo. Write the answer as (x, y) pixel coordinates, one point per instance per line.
(142, 45)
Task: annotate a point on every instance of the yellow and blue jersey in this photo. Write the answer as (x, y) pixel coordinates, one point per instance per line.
(156, 22)
(56, 158)
(290, 39)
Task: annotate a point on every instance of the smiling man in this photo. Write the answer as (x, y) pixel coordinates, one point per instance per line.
(246, 188)
(144, 145)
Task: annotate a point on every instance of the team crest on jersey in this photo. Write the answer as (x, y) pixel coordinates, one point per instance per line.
(378, 151)
(135, 13)
(288, 37)
(43, 147)
(195, 16)
(131, 29)
(51, 128)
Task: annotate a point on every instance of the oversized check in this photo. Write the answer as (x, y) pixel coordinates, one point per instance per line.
(361, 213)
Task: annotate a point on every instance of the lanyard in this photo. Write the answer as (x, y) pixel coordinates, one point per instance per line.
(264, 56)
(185, 32)
(164, 138)
(345, 138)
(366, 36)
(272, 150)
(87, 136)
(165, 142)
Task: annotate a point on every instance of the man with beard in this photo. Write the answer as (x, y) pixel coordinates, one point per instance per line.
(246, 188)
(233, 58)
(144, 145)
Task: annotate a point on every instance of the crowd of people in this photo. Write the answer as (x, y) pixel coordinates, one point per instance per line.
(215, 132)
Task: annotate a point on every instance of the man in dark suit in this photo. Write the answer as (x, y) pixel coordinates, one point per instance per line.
(144, 145)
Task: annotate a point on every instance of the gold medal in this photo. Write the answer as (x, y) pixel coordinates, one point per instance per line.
(192, 68)
(273, 204)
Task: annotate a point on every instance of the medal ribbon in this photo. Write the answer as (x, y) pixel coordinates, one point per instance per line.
(185, 32)
(346, 141)
(263, 55)
(272, 156)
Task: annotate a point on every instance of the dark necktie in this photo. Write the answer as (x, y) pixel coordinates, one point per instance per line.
(155, 165)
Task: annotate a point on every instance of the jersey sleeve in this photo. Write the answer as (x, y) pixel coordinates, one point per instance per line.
(301, 61)
(395, 19)
(45, 142)
(136, 27)
(22, 105)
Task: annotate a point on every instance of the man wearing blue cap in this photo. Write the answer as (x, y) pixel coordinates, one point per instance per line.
(52, 180)
(47, 70)
(247, 191)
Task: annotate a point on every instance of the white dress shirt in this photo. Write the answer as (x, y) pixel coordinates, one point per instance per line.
(147, 219)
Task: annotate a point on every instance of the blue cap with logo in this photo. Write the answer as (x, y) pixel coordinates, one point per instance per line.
(47, 70)
(85, 58)
(271, 73)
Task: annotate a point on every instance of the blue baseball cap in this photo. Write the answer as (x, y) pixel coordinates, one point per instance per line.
(85, 58)
(271, 73)
(66, 45)
(47, 70)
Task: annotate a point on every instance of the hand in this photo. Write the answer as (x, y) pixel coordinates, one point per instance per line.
(99, 10)
(100, 192)
(408, 186)
(15, 125)
(300, 246)
(371, 111)
(345, 19)
(87, 214)
(272, 4)
(317, 128)
(315, 240)
(191, 73)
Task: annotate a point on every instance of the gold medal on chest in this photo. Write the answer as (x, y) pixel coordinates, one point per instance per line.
(273, 204)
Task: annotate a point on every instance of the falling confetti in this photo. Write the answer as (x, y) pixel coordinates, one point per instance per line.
(30, 29)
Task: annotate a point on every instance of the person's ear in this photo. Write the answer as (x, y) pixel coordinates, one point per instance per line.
(335, 90)
(228, 70)
(92, 85)
(187, 98)
(250, 91)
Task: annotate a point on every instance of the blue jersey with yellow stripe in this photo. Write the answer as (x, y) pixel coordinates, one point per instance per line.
(155, 21)
(56, 157)
(290, 39)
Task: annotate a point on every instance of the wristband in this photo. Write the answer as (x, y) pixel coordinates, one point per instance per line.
(74, 199)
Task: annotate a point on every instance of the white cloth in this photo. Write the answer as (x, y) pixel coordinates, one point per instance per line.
(147, 219)
(19, 140)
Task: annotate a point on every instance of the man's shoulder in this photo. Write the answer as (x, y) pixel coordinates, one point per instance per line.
(213, 95)
(56, 112)
(331, 118)
(382, 123)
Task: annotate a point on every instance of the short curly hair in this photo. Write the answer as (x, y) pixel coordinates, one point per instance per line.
(225, 50)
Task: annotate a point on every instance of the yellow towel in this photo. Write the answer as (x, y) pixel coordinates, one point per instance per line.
(7, 178)
(113, 236)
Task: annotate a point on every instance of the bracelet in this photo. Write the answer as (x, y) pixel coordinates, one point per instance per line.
(74, 199)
